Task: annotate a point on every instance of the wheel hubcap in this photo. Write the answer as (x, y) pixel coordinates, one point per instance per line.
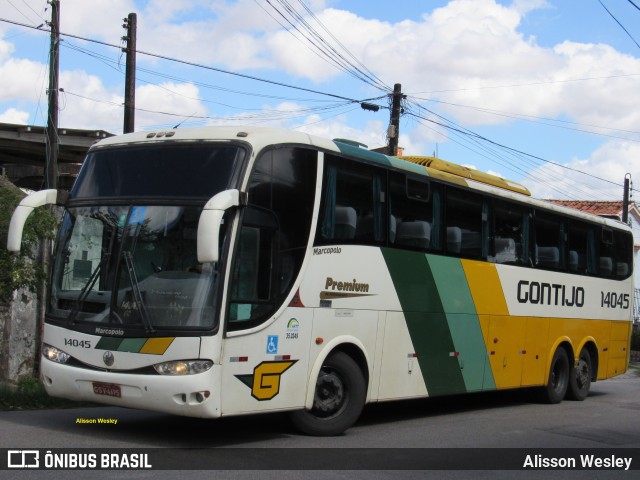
(329, 394)
(582, 374)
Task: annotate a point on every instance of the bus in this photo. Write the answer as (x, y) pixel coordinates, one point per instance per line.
(218, 271)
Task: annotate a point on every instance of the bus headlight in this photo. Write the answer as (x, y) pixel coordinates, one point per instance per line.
(183, 367)
(54, 354)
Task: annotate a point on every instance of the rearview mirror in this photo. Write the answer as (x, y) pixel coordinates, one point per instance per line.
(22, 212)
(209, 224)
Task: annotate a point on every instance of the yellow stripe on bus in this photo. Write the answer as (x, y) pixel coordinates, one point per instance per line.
(157, 346)
(485, 287)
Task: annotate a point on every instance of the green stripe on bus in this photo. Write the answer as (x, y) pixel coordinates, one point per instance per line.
(363, 154)
(133, 345)
(463, 321)
(426, 320)
(109, 343)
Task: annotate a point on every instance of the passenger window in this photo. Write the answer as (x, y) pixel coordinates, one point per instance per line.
(582, 249)
(549, 242)
(510, 239)
(466, 224)
(624, 259)
(606, 257)
(414, 221)
(353, 205)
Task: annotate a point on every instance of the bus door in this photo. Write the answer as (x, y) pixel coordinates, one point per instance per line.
(267, 334)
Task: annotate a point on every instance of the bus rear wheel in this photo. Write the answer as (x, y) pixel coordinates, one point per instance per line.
(558, 381)
(580, 377)
(338, 400)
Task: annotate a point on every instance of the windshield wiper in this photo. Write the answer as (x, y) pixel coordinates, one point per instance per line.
(137, 295)
(84, 293)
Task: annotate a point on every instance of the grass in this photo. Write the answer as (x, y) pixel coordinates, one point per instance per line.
(29, 394)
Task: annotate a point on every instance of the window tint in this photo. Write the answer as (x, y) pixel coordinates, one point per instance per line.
(549, 241)
(624, 258)
(421, 213)
(167, 170)
(353, 207)
(274, 233)
(466, 216)
(510, 240)
(606, 253)
(581, 249)
(414, 221)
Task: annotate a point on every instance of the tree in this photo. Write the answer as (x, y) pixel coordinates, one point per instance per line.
(23, 270)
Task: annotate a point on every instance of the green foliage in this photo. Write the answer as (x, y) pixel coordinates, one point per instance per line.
(30, 395)
(24, 269)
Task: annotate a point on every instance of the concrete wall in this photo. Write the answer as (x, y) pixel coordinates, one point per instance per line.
(19, 337)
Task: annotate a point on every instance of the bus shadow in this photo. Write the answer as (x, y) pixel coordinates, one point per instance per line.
(400, 410)
(150, 429)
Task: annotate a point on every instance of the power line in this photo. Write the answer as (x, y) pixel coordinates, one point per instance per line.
(194, 64)
(317, 43)
(530, 84)
(20, 11)
(349, 101)
(116, 66)
(536, 119)
(258, 117)
(492, 153)
(620, 24)
(450, 126)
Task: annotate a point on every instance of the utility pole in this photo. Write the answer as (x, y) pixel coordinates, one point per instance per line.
(51, 166)
(131, 25)
(393, 133)
(625, 199)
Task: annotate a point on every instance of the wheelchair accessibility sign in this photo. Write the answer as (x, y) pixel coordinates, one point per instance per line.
(272, 344)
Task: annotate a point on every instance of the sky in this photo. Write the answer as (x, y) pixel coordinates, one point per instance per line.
(542, 92)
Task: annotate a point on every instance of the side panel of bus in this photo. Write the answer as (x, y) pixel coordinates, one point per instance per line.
(268, 370)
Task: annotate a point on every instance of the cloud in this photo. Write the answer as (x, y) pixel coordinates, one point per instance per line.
(605, 170)
(87, 103)
(459, 53)
(22, 80)
(98, 19)
(15, 116)
(180, 100)
(471, 53)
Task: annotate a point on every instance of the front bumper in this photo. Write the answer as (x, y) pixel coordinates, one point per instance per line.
(190, 395)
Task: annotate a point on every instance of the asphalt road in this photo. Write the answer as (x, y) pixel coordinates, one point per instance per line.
(608, 420)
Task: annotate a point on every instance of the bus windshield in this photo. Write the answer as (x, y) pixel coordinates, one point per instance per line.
(126, 259)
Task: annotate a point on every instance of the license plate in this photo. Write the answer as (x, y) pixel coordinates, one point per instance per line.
(108, 389)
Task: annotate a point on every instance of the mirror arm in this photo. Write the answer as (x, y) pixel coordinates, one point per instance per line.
(209, 223)
(25, 208)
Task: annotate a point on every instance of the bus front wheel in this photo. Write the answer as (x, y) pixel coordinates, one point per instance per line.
(339, 397)
(580, 379)
(558, 381)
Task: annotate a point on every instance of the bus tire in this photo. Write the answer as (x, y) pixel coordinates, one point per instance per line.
(580, 377)
(558, 381)
(338, 400)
